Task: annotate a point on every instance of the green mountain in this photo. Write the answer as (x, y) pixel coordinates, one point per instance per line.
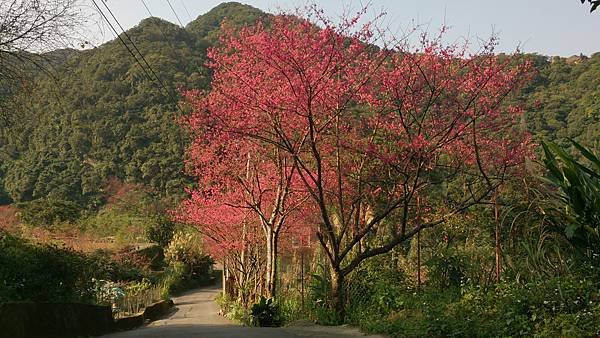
(101, 117)
(563, 100)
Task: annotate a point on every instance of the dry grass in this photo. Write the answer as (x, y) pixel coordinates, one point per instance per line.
(72, 239)
(71, 236)
(8, 218)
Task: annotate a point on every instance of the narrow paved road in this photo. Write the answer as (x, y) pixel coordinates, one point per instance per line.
(195, 315)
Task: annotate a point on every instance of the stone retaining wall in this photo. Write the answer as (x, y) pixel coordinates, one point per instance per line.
(65, 320)
(42, 320)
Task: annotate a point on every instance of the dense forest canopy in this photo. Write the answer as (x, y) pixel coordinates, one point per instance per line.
(101, 117)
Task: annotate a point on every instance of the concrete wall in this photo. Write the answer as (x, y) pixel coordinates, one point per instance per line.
(25, 319)
(65, 320)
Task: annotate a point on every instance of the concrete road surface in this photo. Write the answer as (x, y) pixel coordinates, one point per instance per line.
(196, 315)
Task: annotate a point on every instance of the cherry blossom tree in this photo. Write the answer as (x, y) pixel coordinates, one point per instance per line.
(242, 182)
(367, 125)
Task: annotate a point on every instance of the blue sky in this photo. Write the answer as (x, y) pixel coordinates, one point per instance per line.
(559, 27)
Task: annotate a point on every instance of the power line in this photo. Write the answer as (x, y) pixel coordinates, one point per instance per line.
(134, 46)
(159, 28)
(122, 41)
(160, 82)
(148, 9)
(176, 16)
(186, 10)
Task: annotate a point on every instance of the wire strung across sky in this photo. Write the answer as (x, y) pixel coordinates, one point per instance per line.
(186, 10)
(148, 70)
(146, 6)
(176, 16)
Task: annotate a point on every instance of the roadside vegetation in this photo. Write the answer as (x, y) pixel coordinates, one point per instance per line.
(124, 255)
(338, 174)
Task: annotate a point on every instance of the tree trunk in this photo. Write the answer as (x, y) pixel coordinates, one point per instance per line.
(497, 233)
(271, 273)
(302, 279)
(338, 293)
(224, 277)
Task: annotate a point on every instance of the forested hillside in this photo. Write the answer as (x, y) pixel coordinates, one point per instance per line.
(564, 99)
(102, 117)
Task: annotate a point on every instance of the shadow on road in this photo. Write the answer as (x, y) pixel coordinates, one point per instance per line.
(209, 331)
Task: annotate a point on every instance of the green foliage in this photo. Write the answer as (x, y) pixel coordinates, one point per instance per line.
(563, 100)
(579, 187)
(126, 218)
(186, 248)
(188, 265)
(446, 271)
(161, 231)
(546, 290)
(153, 257)
(49, 274)
(539, 256)
(290, 307)
(100, 116)
(40, 273)
(554, 307)
(265, 313)
(48, 211)
(319, 297)
(174, 279)
(207, 25)
(125, 227)
(232, 309)
(103, 265)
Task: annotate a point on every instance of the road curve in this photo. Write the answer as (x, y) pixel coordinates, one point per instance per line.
(196, 315)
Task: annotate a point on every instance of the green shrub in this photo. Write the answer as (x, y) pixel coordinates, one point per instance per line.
(47, 211)
(446, 270)
(154, 256)
(548, 308)
(185, 255)
(375, 290)
(232, 309)
(265, 313)
(45, 273)
(122, 225)
(174, 278)
(42, 272)
(578, 200)
(104, 265)
(290, 307)
(319, 298)
(380, 300)
(160, 230)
